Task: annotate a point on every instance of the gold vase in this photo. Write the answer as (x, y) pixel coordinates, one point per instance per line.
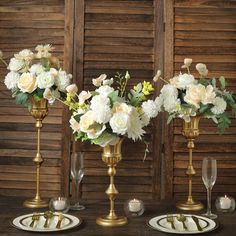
(190, 132)
(111, 156)
(39, 111)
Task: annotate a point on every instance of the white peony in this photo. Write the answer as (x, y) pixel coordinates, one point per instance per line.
(45, 80)
(105, 90)
(120, 122)
(62, 80)
(197, 94)
(150, 108)
(83, 96)
(72, 89)
(183, 81)
(169, 95)
(25, 54)
(98, 81)
(12, 79)
(36, 69)
(16, 65)
(135, 130)
(202, 69)
(100, 106)
(219, 106)
(74, 124)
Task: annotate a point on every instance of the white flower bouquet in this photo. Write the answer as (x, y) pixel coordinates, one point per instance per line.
(35, 75)
(184, 96)
(108, 113)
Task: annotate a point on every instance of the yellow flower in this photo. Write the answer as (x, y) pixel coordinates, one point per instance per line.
(147, 88)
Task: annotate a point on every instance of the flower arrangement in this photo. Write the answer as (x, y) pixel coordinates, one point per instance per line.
(183, 96)
(108, 113)
(35, 75)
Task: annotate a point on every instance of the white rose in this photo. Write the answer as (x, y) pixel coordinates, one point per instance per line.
(105, 90)
(120, 122)
(98, 81)
(36, 69)
(47, 94)
(11, 80)
(45, 80)
(202, 69)
(72, 89)
(27, 83)
(63, 80)
(83, 96)
(219, 106)
(108, 82)
(122, 107)
(187, 62)
(150, 108)
(16, 65)
(75, 126)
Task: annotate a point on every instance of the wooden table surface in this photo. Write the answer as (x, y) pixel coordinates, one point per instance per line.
(11, 207)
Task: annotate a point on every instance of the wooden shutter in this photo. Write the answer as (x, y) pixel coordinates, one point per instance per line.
(24, 24)
(119, 36)
(206, 32)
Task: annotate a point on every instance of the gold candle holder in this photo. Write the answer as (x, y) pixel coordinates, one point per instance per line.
(39, 111)
(111, 156)
(190, 132)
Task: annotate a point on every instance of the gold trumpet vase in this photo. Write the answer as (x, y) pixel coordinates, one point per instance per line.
(111, 156)
(39, 111)
(190, 132)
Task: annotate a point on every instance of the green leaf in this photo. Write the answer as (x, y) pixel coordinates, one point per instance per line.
(213, 82)
(22, 99)
(204, 82)
(113, 96)
(223, 122)
(45, 63)
(222, 82)
(203, 108)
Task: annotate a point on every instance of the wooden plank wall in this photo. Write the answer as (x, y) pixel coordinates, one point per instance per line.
(24, 24)
(205, 31)
(119, 36)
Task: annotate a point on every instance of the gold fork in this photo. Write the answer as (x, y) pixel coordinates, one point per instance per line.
(170, 219)
(182, 218)
(60, 219)
(35, 217)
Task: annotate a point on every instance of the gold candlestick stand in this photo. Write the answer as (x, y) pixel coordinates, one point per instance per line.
(190, 131)
(111, 156)
(39, 111)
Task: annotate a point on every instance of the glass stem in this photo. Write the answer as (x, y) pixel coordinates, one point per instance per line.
(77, 182)
(208, 201)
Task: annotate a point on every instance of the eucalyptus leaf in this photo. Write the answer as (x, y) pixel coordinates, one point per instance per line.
(22, 99)
(222, 82)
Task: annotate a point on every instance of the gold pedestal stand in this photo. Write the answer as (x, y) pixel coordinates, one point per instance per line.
(190, 131)
(39, 111)
(111, 156)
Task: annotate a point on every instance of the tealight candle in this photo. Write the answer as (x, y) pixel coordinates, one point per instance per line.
(134, 205)
(59, 204)
(225, 202)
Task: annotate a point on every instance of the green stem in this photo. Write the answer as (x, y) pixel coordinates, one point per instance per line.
(3, 61)
(124, 87)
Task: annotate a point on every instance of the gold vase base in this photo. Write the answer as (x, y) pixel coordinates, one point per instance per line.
(190, 206)
(36, 203)
(106, 221)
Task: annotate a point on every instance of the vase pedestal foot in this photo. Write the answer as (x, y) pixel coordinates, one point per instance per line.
(190, 206)
(36, 203)
(107, 221)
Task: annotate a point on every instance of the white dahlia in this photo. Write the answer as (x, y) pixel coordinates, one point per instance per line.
(16, 65)
(11, 80)
(150, 108)
(63, 80)
(219, 106)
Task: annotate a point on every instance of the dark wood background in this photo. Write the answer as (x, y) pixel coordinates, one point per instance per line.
(93, 37)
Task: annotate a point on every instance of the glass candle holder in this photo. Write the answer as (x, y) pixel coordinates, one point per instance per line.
(59, 204)
(134, 207)
(225, 204)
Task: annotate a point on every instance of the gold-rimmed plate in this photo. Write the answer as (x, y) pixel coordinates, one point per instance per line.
(160, 223)
(23, 223)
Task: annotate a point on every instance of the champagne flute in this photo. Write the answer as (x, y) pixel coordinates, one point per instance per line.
(209, 174)
(77, 173)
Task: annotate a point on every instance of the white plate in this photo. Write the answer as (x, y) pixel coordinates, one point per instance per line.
(160, 223)
(23, 222)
